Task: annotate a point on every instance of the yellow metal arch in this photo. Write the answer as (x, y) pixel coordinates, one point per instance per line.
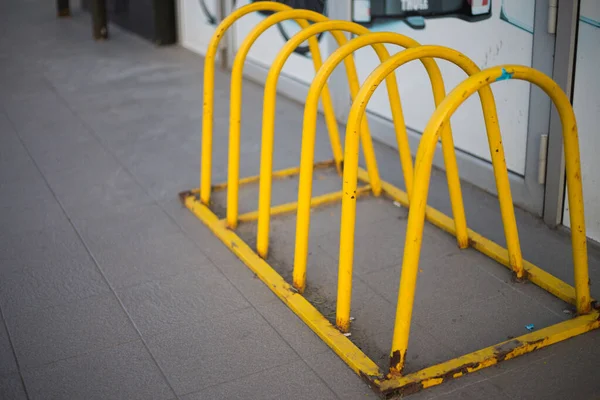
(209, 89)
(235, 109)
(423, 172)
(309, 132)
(424, 160)
(347, 229)
(269, 126)
(308, 141)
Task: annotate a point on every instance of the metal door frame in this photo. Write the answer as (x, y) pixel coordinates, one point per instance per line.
(564, 71)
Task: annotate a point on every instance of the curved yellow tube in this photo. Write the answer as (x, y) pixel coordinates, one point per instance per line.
(300, 16)
(478, 82)
(350, 181)
(309, 132)
(267, 137)
(270, 97)
(423, 173)
(209, 89)
(348, 213)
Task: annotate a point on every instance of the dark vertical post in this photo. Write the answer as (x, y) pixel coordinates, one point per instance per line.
(165, 18)
(62, 8)
(99, 20)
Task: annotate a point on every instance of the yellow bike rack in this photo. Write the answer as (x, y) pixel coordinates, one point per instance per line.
(391, 382)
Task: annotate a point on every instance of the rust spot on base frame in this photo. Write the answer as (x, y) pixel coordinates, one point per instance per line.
(184, 195)
(417, 386)
(395, 359)
(462, 370)
(504, 350)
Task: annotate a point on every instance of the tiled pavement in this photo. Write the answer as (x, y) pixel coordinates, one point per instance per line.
(110, 290)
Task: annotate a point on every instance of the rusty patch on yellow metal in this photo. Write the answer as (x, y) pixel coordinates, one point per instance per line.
(187, 193)
(396, 357)
(506, 350)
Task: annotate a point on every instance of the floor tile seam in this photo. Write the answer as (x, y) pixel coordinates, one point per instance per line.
(313, 210)
(501, 389)
(257, 308)
(195, 268)
(437, 313)
(291, 245)
(95, 261)
(63, 171)
(433, 260)
(522, 367)
(13, 374)
(531, 299)
(215, 263)
(452, 352)
(459, 353)
(122, 305)
(379, 269)
(33, 367)
(123, 308)
(432, 314)
(20, 206)
(515, 287)
(300, 357)
(192, 324)
(12, 180)
(154, 201)
(51, 229)
(270, 368)
(14, 353)
(357, 229)
(95, 137)
(484, 379)
(34, 310)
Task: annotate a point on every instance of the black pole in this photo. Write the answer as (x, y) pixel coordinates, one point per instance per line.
(62, 8)
(99, 20)
(165, 18)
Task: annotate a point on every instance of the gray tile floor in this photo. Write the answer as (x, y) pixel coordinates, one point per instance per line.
(109, 289)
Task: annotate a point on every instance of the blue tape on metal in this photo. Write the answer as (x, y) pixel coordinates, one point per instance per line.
(505, 75)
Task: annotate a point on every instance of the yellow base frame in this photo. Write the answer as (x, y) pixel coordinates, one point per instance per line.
(382, 383)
